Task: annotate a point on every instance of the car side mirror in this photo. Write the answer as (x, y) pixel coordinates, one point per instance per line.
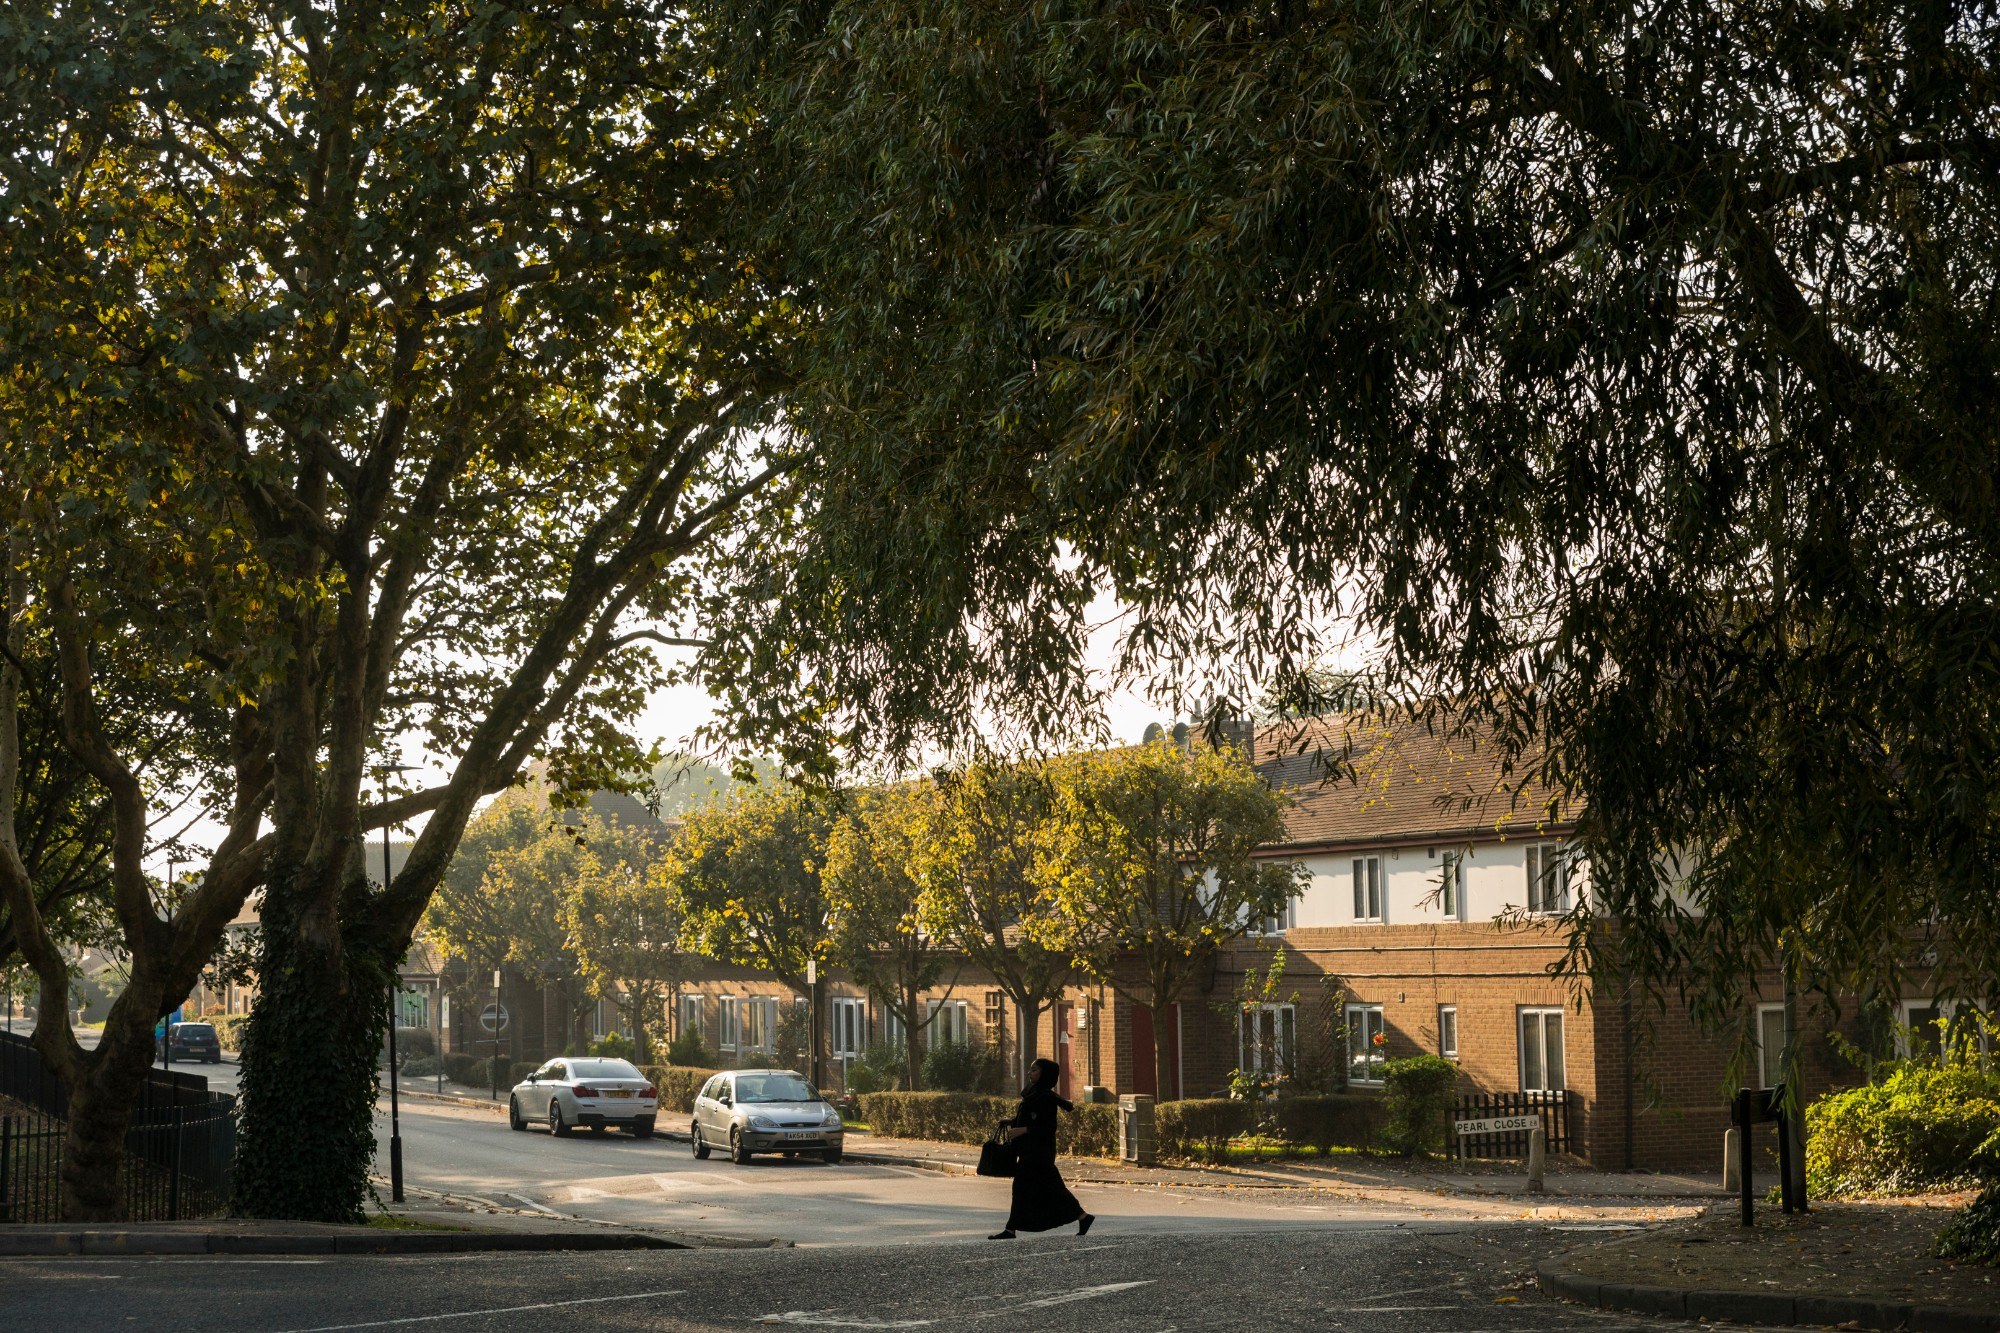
(534, 1078)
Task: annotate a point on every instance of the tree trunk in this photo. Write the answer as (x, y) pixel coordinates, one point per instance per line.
(100, 1111)
(1030, 1037)
(306, 1134)
(912, 1063)
(1163, 1083)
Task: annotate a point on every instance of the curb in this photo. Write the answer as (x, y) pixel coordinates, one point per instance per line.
(112, 1243)
(1756, 1307)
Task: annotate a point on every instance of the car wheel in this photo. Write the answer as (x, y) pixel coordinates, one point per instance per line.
(700, 1148)
(556, 1125)
(737, 1152)
(514, 1120)
(642, 1129)
(831, 1156)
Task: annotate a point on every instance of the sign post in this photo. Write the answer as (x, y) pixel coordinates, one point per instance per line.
(494, 1019)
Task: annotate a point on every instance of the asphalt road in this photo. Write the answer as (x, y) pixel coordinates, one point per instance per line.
(657, 1183)
(1390, 1280)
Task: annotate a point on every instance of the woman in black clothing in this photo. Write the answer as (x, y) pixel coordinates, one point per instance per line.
(1041, 1201)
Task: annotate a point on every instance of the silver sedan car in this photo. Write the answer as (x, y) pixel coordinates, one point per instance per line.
(577, 1090)
(748, 1111)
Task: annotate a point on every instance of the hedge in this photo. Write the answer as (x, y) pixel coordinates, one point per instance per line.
(1201, 1126)
(678, 1084)
(475, 1071)
(972, 1118)
(229, 1030)
(1326, 1121)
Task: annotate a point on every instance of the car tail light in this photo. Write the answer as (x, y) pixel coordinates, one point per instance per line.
(649, 1091)
(582, 1091)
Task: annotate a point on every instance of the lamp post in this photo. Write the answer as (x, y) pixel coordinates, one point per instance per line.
(395, 1002)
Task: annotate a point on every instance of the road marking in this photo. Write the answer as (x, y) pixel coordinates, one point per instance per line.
(532, 1204)
(1043, 1252)
(827, 1319)
(1082, 1294)
(474, 1314)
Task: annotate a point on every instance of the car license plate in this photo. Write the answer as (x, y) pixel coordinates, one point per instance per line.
(618, 1092)
(795, 1135)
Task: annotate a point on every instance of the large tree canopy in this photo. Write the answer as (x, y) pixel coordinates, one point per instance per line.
(367, 373)
(1625, 373)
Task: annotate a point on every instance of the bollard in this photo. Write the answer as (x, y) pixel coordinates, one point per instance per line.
(1538, 1158)
(1731, 1168)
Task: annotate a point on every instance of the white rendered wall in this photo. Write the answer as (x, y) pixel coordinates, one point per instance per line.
(1496, 883)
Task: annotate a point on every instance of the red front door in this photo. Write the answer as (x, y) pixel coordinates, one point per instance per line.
(1145, 1079)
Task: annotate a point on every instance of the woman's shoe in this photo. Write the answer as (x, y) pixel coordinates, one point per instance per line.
(1001, 1235)
(1083, 1225)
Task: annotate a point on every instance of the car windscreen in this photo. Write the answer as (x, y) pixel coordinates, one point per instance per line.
(774, 1088)
(603, 1069)
(194, 1029)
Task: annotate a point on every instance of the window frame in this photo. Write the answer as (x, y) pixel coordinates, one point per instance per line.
(729, 1022)
(1372, 1057)
(1369, 890)
(1284, 1025)
(952, 1013)
(691, 1014)
(1448, 1049)
(1545, 860)
(1541, 1014)
(1764, 1071)
(1451, 885)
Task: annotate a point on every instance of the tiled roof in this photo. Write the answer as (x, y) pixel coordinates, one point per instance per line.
(1358, 779)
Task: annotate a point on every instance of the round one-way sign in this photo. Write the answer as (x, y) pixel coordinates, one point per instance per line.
(493, 1018)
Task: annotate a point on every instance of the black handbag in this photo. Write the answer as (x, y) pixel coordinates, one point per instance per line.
(997, 1158)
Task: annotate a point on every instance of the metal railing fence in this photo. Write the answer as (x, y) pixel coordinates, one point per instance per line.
(1552, 1107)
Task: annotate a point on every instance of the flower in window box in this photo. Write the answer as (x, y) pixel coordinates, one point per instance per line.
(1380, 1039)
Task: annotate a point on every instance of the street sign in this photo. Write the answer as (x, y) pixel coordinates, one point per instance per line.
(493, 1018)
(1500, 1124)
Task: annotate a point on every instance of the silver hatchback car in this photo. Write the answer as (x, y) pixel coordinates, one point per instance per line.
(582, 1090)
(748, 1111)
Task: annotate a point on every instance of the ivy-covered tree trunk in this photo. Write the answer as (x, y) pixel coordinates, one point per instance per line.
(307, 1134)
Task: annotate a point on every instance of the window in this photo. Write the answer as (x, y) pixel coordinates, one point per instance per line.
(1281, 921)
(1451, 894)
(1367, 888)
(1448, 1031)
(1541, 1050)
(691, 1014)
(1927, 1025)
(892, 1027)
(760, 1022)
(1548, 878)
(1266, 1037)
(597, 1019)
(1367, 1043)
(1770, 1035)
(996, 1018)
(947, 1022)
(850, 1026)
(729, 1025)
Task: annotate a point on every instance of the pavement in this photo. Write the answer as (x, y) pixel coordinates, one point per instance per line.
(1864, 1265)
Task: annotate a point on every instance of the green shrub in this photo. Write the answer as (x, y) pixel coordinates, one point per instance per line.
(881, 1068)
(229, 1030)
(463, 1067)
(1325, 1121)
(422, 1066)
(1201, 1127)
(1923, 1126)
(1090, 1131)
(943, 1117)
(411, 1042)
(1417, 1095)
(678, 1084)
(957, 1066)
(690, 1051)
(613, 1046)
(1973, 1236)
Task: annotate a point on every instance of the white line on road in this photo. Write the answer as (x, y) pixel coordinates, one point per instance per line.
(532, 1204)
(827, 1319)
(1082, 1294)
(1037, 1252)
(474, 1314)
